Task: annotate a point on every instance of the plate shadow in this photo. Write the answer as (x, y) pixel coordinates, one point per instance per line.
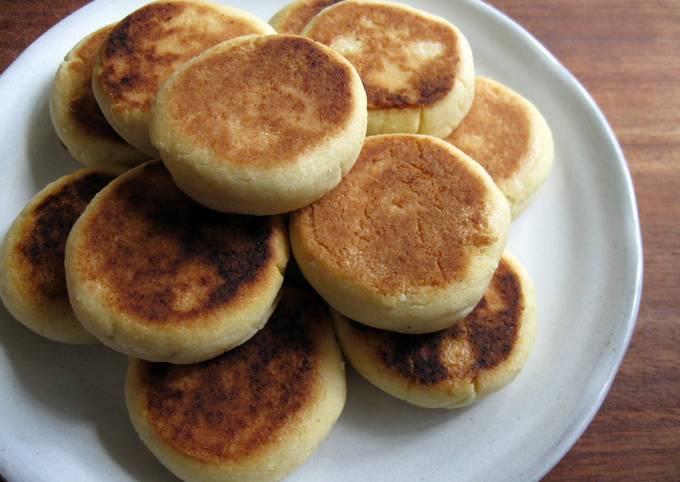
(80, 384)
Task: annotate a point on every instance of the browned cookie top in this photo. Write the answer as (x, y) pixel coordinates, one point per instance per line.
(404, 59)
(410, 214)
(39, 253)
(231, 406)
(299, 15)
(483, 340)
(82, 104)
(162, 258)
(497, 132)
(263, 101)
(148, 45)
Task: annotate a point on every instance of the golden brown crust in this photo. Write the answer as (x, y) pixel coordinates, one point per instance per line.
(148, 45)
(299, 14)
(285, 92)
(412, 65)
(40, 251)
(230, 407)
(82, 104)
(407, 215)
(164, 258)
(488, 335)
(87, 51)
(497, 131)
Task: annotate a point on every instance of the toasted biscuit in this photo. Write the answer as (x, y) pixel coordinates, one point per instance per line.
(454, 367)
(417, 68)
(509, 137)
(154, 275)
(260, 124)
(410, 238)
(252, 414)
(145, 48)
(77, 118)
(32, 280)
(296, 15)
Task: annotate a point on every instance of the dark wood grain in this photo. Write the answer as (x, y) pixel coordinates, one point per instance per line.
(626, 54)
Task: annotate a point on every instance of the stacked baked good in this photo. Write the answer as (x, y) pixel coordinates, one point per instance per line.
(360, 135)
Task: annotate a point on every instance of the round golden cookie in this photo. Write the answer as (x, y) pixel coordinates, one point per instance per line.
(417, 68)
(146, 47)
(296, 15)
(154, 275)
(252, 414)
(510, 138)
(32, 280)
(77, 118)
(260, 124)
(410, 238)
(454, 367)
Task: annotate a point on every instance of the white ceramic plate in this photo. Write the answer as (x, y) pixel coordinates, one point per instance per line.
(63, 414)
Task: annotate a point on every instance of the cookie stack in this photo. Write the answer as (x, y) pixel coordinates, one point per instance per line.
(359, 139)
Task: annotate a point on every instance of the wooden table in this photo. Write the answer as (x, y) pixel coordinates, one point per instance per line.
(625, 52)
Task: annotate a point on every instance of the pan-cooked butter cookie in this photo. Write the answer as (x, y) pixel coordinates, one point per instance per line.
(157, 276)
(509, 137)
(146, 47)
(296, 15)
(260, 124)
(77, 118)
(454, 367)
(417, 68)
(32, 279)
(410, 238)
(252, 414)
